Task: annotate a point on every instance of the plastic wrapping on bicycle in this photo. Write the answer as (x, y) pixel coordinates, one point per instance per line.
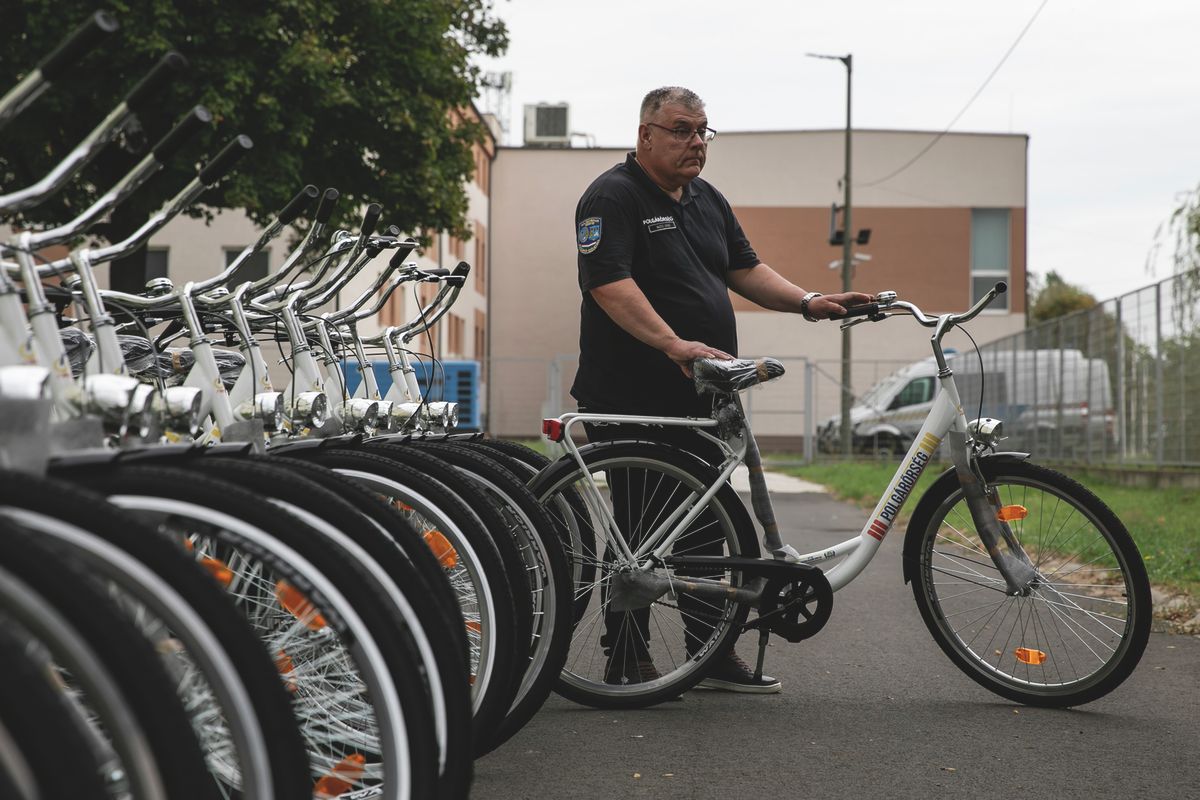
(713, 376)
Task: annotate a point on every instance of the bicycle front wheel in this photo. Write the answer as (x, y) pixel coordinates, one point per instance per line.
(654, 650)
(1081, 628)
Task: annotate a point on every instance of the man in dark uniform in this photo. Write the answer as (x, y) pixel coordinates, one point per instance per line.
(659, 248)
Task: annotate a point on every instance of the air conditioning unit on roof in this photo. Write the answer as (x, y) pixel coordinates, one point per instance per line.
(547, 125)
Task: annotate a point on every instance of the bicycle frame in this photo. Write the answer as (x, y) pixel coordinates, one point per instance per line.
(945, 415)
(945, 421)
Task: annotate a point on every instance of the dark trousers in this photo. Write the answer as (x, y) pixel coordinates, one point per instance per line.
(641, 501)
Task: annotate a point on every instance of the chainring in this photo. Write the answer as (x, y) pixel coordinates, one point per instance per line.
(795, 608)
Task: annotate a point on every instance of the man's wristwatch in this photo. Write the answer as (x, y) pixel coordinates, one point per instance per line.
(804, 301)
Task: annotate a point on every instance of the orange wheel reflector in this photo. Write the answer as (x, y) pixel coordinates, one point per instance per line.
(471, 679)
(400, 504)
(1028, 655)
(189, 545)
(216, 567)
(341, 778)
(475, 626)
(296, 604)
(1012, 513)
(283, 662)
(446, 555)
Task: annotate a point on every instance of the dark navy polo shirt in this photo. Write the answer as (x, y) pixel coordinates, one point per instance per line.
(680, 255)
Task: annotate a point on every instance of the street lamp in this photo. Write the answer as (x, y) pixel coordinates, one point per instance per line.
(847, 257)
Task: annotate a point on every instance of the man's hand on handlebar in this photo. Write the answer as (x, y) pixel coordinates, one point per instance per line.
(831, 306)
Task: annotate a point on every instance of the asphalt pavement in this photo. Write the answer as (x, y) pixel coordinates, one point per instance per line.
(870, 708)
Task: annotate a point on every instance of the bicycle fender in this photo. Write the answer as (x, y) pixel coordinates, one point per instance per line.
(946, 483)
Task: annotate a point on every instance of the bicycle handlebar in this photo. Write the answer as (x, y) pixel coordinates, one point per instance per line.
(325, 208)
(187, 127)
(155, 79)
(73, 48)
(220, 166)
(299, 204)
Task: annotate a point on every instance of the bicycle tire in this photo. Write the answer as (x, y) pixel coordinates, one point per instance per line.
(579, 542)
(480, 573)
(538, 539)
(268, 701)
(426, 626)
(603, 674)
(351, 606)
(63, 580)
(36, 719)
(1085, 622)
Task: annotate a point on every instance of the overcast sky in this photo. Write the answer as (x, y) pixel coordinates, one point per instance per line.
(1106, 91)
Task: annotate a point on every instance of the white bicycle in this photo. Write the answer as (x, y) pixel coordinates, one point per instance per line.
(1026, 580)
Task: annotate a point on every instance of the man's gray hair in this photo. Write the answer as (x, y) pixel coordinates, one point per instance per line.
(656, 99)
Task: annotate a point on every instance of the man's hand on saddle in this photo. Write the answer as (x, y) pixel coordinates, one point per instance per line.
(835, 305)
(684, 352)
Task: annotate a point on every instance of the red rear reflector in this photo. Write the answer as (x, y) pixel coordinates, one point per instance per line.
(552, 429)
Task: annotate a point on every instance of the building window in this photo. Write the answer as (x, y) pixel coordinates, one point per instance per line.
(480, 258)
(156, 262)
(481, 343)
(456, 333)
(990, 258)
(253, 268)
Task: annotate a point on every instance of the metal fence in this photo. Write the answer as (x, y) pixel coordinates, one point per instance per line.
(1118, 384)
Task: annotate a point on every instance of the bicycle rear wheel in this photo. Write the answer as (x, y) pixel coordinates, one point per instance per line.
(651, 653)
(1082, 627)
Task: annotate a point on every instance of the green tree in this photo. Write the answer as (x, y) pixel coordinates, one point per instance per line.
(359, 95)
(1056, 298)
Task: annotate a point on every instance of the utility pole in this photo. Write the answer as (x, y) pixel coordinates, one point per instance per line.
(847, 258)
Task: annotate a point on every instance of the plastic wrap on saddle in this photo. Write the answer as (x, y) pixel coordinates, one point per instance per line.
(713, 376)
(174, 363)
(138, 354)
(79, 347)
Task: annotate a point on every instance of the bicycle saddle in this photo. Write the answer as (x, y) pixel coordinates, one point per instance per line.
(725, 377)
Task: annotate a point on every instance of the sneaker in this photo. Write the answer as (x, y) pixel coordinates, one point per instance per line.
(626, 671)
(735, 675)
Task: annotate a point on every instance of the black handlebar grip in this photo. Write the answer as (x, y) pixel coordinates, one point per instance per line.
(436, 272)
(398, 257)
(863, 310)
(177, 137)
(83, 39)
(463, 269)
(393, 231)
(325, 208)
(155, 79)
(299, 204)
(1001, 287)
(219, 167)
(371, 219)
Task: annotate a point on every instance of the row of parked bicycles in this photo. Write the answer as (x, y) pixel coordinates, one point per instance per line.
(218, 588)
(213, 588)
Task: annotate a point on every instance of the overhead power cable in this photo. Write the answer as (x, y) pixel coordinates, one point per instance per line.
(975, 96)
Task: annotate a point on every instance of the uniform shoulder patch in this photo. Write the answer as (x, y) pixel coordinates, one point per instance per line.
(587, 234)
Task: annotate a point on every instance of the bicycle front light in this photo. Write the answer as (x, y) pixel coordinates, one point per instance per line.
(388, 421)
(121, 402)
(178, 409)
(268, 407)
(310, 409)
(444, 415)
(358, 414)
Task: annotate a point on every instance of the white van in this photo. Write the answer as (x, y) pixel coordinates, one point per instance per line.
(1054, 397)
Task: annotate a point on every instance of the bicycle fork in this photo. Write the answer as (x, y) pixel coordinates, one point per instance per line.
(1012, 561)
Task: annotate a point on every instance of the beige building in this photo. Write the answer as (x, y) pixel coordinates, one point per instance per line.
(942, 230)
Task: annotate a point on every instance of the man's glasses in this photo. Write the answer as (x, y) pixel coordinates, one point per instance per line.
(685, 134)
